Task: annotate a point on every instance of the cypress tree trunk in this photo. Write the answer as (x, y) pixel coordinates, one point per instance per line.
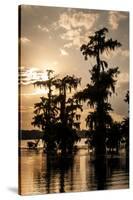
(100, 148)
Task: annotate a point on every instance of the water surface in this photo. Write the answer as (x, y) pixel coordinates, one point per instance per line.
(41, 173)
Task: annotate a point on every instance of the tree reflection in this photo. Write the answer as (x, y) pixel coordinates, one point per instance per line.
(57, 167)
(43, 173)
(100, 167)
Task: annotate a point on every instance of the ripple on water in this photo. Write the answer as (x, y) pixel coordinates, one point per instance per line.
(71, 174)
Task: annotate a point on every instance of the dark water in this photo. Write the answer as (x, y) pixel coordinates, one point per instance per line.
(53, 174)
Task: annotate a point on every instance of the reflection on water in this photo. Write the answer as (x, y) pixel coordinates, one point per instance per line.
(41, 173)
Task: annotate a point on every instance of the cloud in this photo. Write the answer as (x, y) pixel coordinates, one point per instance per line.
(63, 52)
(76, 27)
(75, 37)
(24, 40)
(72, 19)
(29, 75)
(43, 28)
(123, 81)
(72, 35)
(123, 53)
(114, 18)
(68, 45)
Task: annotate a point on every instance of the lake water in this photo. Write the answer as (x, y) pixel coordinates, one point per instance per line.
(40, 173)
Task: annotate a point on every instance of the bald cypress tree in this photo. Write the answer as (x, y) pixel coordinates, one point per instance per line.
(96, 93)
(56, 114)
(68, 118)
(46, 111)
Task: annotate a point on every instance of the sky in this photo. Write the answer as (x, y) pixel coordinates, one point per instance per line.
(51, 37)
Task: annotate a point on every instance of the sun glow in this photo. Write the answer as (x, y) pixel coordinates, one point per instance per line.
(40, 91)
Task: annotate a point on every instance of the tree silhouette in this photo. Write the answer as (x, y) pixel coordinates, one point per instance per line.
(46, 112)
(125, 125)
(103, 80)
(57, 115)
(73, 118)
(65, 84)
(114, 137)
(68, 117)
(127, 97)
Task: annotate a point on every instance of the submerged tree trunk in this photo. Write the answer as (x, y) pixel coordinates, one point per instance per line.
(100, 148)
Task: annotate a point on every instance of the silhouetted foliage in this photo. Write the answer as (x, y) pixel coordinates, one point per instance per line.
(97, 45)
(46, 112)
(103, 80)
(127, 97)
(125, 126)
(114, 137)
(63, 85)
(57, 114)
(68, 117)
